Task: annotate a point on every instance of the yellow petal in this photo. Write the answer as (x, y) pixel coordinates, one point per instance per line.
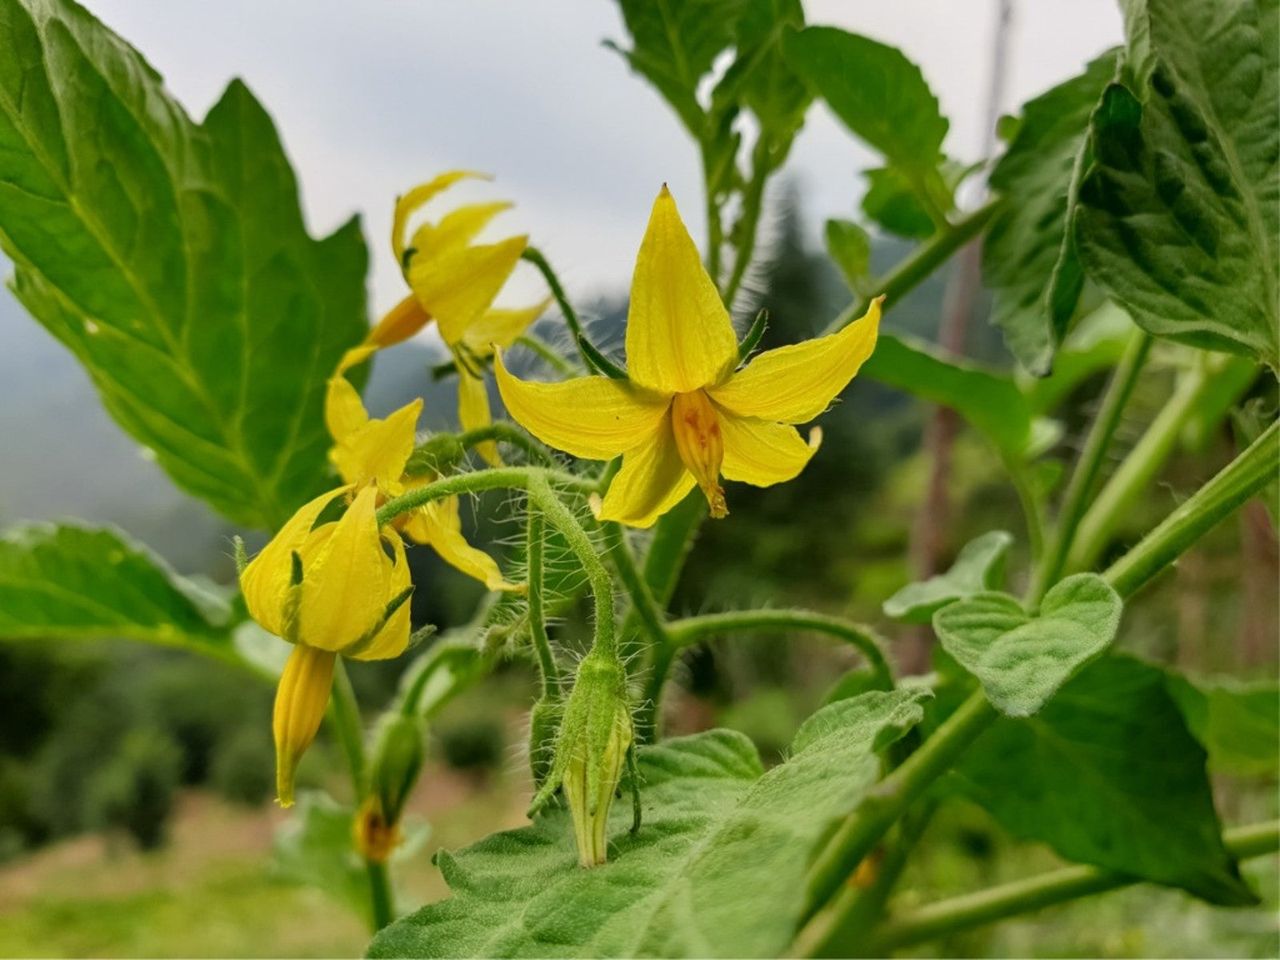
(354, 357)
(439, 526)
(501, 328)
(411, 202)
(764, 453)
(473, 412)
(301, 699)
(459, 285)
(346, 577)
(653, 479)
(265, 581)
(400, 323)
(591, 417)
(378, 450)
(456, 229)
(796, 383)
(679, 337)
(393, 638)
(344, 411)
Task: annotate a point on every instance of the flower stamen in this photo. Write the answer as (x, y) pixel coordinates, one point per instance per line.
(696, 426)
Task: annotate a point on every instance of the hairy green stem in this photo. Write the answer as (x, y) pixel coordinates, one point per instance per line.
(535, 536)
(1232, 486)
(752, 204)
(1034, 893)
(1195, 388)
(559, 516)
(1085, 476)
(920, 263)
(500, 478)
(510, 434)
(862, 829)
(642, 601)
(693, 629)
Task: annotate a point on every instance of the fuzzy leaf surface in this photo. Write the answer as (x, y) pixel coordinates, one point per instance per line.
(720, 839)
(978, 567)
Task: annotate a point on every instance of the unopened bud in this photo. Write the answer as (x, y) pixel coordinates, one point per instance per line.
(590, 752)
(397, 763)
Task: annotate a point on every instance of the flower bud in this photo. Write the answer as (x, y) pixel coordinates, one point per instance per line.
(397, 762)
(374, 835)
(591, 749)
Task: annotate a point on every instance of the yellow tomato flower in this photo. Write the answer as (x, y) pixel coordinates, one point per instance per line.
(367, 449)
(334, 588)
(688, 415)
(455, 281)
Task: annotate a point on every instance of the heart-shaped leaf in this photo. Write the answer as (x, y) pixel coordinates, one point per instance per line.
(1021, 660)
(979, 567)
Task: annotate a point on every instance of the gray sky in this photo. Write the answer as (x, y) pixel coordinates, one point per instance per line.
(372, 97)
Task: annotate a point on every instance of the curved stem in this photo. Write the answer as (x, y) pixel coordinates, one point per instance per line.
(560, 517)
(535, 536)
(1231, 487)
(518, 478)
(1085, 475)
(920, 264)
(534, 256)
(1034, 893)
(692, 629)
(509, 434)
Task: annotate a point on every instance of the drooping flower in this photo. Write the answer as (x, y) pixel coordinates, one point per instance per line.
(334, 588)
(687, 415)
(454, 281)
(367, 449)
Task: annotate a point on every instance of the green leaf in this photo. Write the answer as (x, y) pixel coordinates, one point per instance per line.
(875, 91)
(891, 201)
(673, 46)
(171, 258)
(760, 79)
(1108, 774)
(989, 401)
(313, 848)
(1021, 660)
(1238, 723)
(1028, 258)
(1178, 216)
(715, 825)
(850, 248)
(978, 567)
(76, 582)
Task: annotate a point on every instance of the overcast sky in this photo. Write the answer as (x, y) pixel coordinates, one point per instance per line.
(374, 96)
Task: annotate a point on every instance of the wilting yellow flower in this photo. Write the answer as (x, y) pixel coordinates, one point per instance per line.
(367, 449)
(688, 415)
(334, 588)
(455, 281)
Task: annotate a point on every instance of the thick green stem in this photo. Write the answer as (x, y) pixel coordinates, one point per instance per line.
(1085, 475)
(643, 603)
(1034, 893)
(920, 264)
(509, 434)
(1231, 487)
(693, 629)
(534, 546)
(748, 226)
(508, 478)
(1195, 388)
(559, 516)
(345, 715)
(886, 803)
